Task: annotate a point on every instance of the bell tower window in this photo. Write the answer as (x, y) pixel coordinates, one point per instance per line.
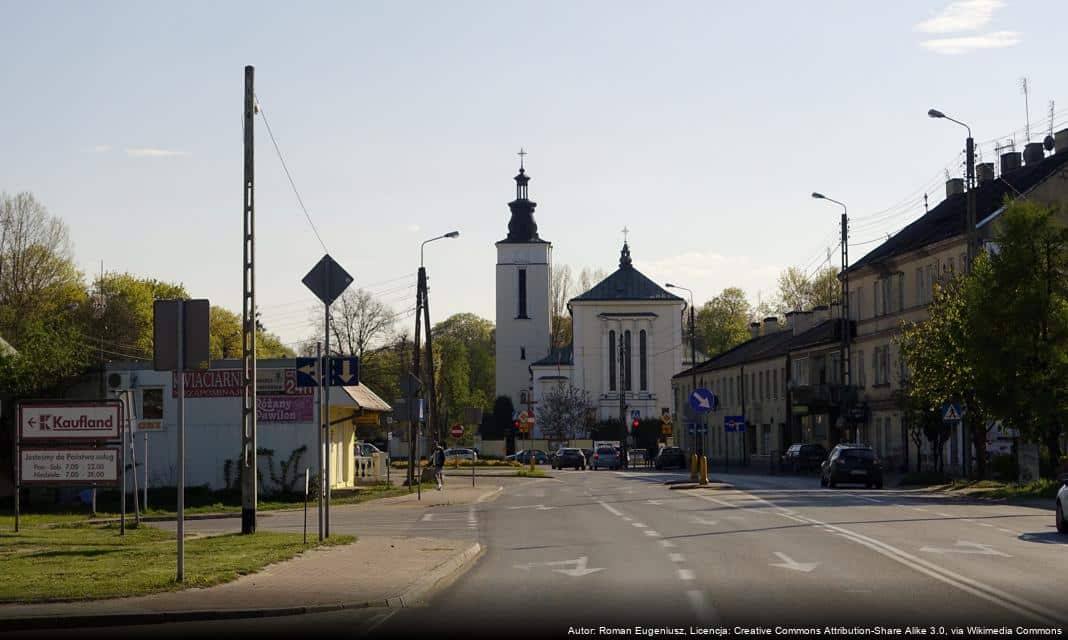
(522, 293)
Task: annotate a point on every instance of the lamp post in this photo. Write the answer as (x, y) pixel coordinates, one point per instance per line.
(844, 367)
(970, 161)
(969, 231)
(693, 352)
(422, 304)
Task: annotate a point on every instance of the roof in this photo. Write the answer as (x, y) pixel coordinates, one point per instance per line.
(558, 356)
(366, 399)
(947, 220)
(767, 346)
(626, 283)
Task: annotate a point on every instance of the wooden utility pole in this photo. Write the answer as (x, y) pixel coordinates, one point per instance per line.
(431, 410)
(248, 323)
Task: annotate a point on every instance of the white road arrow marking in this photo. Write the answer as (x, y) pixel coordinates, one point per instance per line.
(580, 568)
(790, 563)
(657, 502)
(970, 548)
(539, 507)
(707, 523)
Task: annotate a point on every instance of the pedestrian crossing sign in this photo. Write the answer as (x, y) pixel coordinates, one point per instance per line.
(951, 413)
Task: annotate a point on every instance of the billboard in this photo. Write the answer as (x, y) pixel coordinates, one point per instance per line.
(58, 420)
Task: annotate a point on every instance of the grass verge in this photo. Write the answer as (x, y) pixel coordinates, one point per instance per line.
(76, 562)
(527, 473)
(1042, 488)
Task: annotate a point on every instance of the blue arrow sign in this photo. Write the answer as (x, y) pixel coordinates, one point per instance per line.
(702, 400)
(732, 424)
(306, 373)
(344, 372)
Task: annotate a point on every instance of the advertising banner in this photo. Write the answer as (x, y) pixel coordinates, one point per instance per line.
(284, 408)
(57, 420)
(226, 383)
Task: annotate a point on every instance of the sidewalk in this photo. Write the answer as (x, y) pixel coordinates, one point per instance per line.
(375, 571)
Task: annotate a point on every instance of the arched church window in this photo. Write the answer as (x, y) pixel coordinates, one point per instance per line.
(626, 361)
(643, 366)
(611, 360)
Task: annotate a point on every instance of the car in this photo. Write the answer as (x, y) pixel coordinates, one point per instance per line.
(367, 450)
(458, 453)
(523, 457)
(852, 463)
(568, 457)
(606, 457)
(1062, 505)
(670, 457)
(804, 457)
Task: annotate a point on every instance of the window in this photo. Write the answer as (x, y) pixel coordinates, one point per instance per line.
(919, 287)
(856, 302)
(152, 404)
(783, 382)
(767, 384)
(775, 383)
(627, 386)
(522, 353)
(730, 390)
(612, 360)
(760, 385)
(834, 375)
(522, 293)
(878, 306)
(642, 366)
(881, 364)
(861, 379)
(801, 372)
(951, 269)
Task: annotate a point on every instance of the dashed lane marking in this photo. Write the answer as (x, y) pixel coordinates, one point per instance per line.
(677, 557)
(611, 509)
(640, 525)
(667, 544)
(686, 574)
(651, 533)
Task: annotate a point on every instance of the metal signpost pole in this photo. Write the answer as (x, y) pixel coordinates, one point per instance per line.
(319, 417)
(306, 505)
(145, 500)
(133, 456)
(181, 443)
(16, 467)
(122, 477)
(326, 408)
(249, 470)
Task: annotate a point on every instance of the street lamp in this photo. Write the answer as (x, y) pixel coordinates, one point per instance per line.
(451, 234)
(844, 306)
(693, 350)
(970, 159)
(422, 303)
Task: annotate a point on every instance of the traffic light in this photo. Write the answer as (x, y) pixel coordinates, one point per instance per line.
(634, 423)
(516, 425)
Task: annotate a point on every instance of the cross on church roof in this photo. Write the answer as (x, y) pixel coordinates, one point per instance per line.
(521, 154)
(625, 232)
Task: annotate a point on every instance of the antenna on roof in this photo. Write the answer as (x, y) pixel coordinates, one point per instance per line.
(925, 203)
(1027, 107)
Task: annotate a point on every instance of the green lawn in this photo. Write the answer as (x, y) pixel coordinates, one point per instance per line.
(84, 561)
(1042, 488)
(527, 473)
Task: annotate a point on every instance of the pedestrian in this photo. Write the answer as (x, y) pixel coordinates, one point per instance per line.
(438, 461)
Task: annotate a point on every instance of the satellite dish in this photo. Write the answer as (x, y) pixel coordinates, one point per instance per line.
(1048, 143)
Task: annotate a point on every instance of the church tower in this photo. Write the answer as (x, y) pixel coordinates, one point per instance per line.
(524, 263)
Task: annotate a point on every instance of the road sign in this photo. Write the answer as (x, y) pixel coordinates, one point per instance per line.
(307, 376)
(636, 414)
(702, 400)
(344, 371)
(327, 280)
(951, 413)
(195, 334)
(697, 429)
(524, 426)
(457, 431)
(665, 416)
(666, 429)
(59, 420)
(69, 466)
(732, 424)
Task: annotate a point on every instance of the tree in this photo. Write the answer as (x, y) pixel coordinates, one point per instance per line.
(560, 293)
(799, 291)
(562, 416)
(587, 278)
(1021, 322)
(475, 335)
(723, 322)
(359, 320)
(225, 337)
(123, 309)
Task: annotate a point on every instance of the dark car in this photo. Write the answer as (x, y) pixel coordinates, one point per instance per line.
(852, 463)
(670, 457)
(569, 457)
(804, 457)
(523, 457)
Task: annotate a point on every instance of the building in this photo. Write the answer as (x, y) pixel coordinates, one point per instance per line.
(287, 433)
(626, 311)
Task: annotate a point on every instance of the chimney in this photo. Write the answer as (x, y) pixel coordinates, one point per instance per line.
(954, 187)
(801, 321)
(754, 329)
(771, 325)
(984, 171)
(1060, 141)
(1033, 153)
(1010, 161)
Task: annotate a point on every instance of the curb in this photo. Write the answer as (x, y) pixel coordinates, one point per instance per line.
(440, 577)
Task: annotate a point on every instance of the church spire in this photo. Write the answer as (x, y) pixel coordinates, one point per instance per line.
(522, 228)
(624, 257)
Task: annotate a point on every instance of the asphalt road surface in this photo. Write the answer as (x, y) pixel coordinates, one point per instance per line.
(586, 550)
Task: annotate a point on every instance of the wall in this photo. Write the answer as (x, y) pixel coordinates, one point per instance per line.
(513, 333)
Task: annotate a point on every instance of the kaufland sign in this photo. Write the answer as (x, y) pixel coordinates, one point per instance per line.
(70, 420)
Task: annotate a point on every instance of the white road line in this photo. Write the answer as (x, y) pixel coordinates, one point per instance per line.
(705, 612)
(611, 509)
(428, 517)
(651, 533)
(640, 525)
(943, 515)
(985, 524)
(677, 557)
(628, 518)
(667, 544)
(378, 620)
(686, 574)
(1006, 530)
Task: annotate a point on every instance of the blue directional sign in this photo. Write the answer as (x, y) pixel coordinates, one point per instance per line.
(344, 371)
(951, 412)
(636, 414)
(733, 424)
(702, 400)
(696, 429)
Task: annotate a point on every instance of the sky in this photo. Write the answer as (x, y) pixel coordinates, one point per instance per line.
(702, 127)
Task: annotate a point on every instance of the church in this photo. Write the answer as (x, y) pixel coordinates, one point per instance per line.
(627, 339)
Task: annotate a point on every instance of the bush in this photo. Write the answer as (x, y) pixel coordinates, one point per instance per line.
(1004, 468)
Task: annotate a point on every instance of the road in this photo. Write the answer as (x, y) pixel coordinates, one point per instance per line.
(620, 549)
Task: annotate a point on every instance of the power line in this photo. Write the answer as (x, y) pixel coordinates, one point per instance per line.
(292, 184)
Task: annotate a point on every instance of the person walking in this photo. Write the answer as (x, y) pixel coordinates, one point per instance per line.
(438, 461)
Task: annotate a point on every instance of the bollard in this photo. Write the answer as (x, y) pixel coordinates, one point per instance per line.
(704, 470)
(693, 467)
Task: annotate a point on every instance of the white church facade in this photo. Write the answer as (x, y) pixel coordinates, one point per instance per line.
(627, 338)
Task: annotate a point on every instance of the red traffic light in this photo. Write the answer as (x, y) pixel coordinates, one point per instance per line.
(634, 424)
(516, 424)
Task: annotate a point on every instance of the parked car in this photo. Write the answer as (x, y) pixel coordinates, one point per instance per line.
(460, 454)
(568, 457)
(804, 457)
(606, 457)
(1062, 505)
(670, 457)
(523, 457)
(852, 463)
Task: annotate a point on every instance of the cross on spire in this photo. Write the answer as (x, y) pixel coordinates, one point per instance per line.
(625, 232)
(521, 154)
